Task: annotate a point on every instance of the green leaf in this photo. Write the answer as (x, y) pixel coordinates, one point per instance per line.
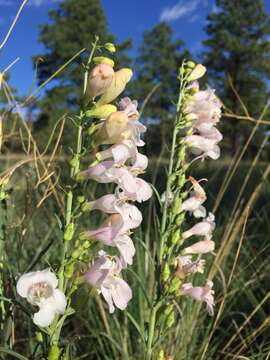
(13, 353)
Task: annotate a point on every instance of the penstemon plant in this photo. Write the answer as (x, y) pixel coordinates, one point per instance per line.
(119, 163)
(109, 132)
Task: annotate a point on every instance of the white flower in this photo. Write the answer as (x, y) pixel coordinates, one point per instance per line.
(40, 289)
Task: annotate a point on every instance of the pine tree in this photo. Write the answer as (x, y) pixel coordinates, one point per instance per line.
(72, 27)
(239, 49)
(159, 58)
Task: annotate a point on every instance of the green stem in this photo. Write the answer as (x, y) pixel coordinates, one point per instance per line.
(151, 333)
(75, 168)
(170, 172)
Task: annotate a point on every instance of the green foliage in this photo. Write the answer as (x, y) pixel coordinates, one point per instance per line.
(239, 49)
(156, 66)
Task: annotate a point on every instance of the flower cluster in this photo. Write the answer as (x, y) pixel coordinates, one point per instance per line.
(204, 109)
(120, 164)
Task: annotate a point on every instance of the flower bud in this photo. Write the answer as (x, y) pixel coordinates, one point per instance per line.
(110, 47)
(166, 272)
(54, 353)
(103, 60)
(197, 72)
(116, 87)
(114, 129)
(190, 64)
(161, 355)
(101, 112)
(69, 232)
(69, 271)
(175, 285)
(100, 79)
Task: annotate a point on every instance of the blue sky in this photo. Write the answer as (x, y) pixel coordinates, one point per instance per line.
(127, 19)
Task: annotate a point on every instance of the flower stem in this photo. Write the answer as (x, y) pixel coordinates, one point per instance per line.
(170, 170)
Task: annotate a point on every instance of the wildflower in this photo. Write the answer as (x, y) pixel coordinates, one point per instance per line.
(129, 107)
(196, 199)
(203, 228)
(197, 72)
(40, 289)
(185, 265)
(116, 87)
(115, 231)
(133, 188)
(100, 79)
(199, 293)
(203, 146)
(104, 274)
(200, 247)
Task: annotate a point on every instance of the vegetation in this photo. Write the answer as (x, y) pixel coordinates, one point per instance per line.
(44, 202)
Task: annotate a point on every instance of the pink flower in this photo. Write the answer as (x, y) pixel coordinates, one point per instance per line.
(203, 146)
(132, 188)
(199, 293)
(100, 79)
(115, 232)
(187, 266)
(120, 153)
(200, 247)
(206, 106)
(195, 201)
(203, 228)
(104, 274)
(129, 107)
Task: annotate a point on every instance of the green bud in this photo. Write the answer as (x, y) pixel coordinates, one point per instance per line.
(80, 199)
(181, 180)
(161, 355)
(73, 162)
(69, 271)
(180, 218)
(86, 244)
(175, 285)
(166, 272)
(170, 320)
(190, 64)
(101, 112)
(110, 47)
(176, 206)
(54, 353)
(86, 207)
(168, 309)
(39, 337)
(69, 232)
(76, 254)
(103, 60)
(175, 236)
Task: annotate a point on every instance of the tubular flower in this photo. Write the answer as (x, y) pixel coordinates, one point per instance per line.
(116, 87)
(120, 164)
(100, 79)
(203, 228)
(40, 289)
(199, 293)
(104, 274)
(203, 113)
(195, 201)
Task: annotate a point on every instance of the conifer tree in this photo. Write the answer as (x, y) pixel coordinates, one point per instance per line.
(157, 63)
(238, 48)
(72, 27)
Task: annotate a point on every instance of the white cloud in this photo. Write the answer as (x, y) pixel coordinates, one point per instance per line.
(181, 9)
(36, 3)
(42, 2)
